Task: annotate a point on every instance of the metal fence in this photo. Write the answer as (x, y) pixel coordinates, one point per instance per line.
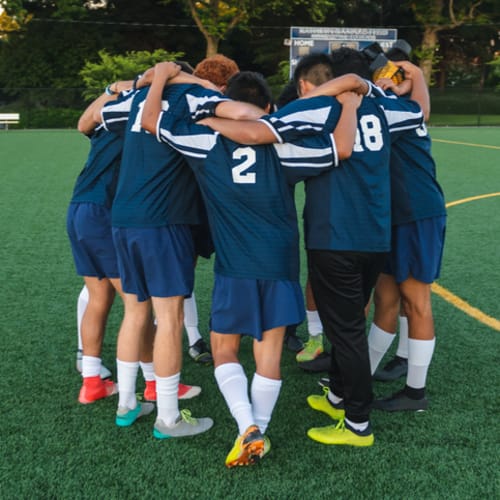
(61, 108)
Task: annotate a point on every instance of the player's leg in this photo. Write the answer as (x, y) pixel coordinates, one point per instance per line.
(81, 305)
(382, 332)
(314, 345)
(136, 318)
(340, 282)
(101, 296)
(198, 348)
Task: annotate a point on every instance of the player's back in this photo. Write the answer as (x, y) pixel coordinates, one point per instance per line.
(349, 207)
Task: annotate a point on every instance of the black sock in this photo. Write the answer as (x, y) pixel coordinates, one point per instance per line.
(414, 393)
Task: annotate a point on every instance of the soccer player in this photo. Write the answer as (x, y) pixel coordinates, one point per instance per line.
(248, 192)
(347, 240)
(89, 231)
(156, 202)
(418, 229)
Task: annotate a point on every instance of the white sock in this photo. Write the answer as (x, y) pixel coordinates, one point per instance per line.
(402, 351)
(233, 385)
(357, 426)
(166, 398)
(81, 305)
(333, 398)
(419, 359)
(148, 371)
(191, 320)
(379, 342)
(127, 376)
(91, 366)
(264, 392)
(314, 326)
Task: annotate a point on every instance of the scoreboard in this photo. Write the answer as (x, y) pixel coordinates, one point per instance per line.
(304, 40)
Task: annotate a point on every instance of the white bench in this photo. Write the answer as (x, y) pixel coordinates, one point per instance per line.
(8, 118)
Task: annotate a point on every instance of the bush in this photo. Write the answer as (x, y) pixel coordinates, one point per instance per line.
(49, 118)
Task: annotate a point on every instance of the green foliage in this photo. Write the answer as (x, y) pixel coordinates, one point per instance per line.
(110, 68)
(495, 64)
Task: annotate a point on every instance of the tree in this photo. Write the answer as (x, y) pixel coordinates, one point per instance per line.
(436, 16)
(111, 68)
(216, 18)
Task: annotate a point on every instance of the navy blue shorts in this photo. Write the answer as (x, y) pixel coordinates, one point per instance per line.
(156, 261)
(417, 250)
(89, 230)
(250, 307)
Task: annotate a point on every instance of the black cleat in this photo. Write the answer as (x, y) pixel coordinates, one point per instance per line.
(395, 368)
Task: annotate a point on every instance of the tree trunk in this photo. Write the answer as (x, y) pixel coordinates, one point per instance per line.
(429, 46)
(212, 45)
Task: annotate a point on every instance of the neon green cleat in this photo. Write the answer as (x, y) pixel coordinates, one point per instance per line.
(312, 349)
(267, 446)
(248, 448)
(323, 404)
(341, 434)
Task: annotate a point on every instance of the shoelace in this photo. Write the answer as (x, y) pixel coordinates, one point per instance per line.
(186, 416)
(340, 425)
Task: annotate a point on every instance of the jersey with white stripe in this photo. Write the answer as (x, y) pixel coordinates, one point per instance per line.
(248, 193)
(416, 193)
(357, 194)
(97, 181)
(155, 186)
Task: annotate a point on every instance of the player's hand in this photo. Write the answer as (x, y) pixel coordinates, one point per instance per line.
(350, 99)
(166, 70)
(411, 71)
(146, 78)
(386, 84)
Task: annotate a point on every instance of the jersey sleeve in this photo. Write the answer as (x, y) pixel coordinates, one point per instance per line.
(401, 113)
(203, 102)
(115, 113)
(313, 116)
(187, 137)
(307, 157)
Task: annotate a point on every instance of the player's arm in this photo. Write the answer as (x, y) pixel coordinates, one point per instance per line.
(345, 130)
(349, 82)
(419, 89)
(248, 132)
(91, 117)
(398, 89)
(152, 105)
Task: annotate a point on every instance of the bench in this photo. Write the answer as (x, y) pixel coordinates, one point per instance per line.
(8, 118)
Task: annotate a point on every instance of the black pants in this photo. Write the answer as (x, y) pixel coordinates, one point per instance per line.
(342, 283)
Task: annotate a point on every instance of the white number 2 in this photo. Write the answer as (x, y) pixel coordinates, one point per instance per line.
(240, 176)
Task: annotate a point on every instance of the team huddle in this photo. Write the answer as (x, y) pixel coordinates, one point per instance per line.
(184, 165)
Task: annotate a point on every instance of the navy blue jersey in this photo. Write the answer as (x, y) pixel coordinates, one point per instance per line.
(155, 186)
(348, 208)
(97, 181)
(248, 193)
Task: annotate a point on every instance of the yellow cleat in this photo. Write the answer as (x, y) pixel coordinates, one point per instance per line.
(248, 448)
(323, 404)
(340, 434)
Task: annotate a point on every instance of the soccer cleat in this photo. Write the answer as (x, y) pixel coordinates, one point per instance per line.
(184, 392)
(320, 364)
(94, 388)
(125, 417)
(292, 341)
(323, 404)
(396, 368)
(399, 401)
(312, 349)
(105, 373)
(267, 446)
(185, 425)
(188, 391)
(341, 434)
(248, 448)
(200, 352)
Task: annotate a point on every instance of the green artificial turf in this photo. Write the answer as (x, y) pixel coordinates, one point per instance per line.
(53, 447)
